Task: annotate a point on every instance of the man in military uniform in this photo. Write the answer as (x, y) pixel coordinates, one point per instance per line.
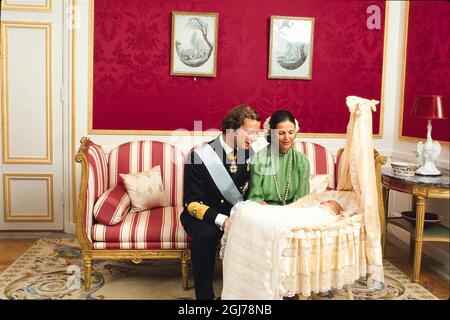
(216, 176)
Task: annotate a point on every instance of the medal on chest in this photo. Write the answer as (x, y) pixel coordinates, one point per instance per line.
(233, 164)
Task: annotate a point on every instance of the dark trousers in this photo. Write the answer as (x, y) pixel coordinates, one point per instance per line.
(205, 237)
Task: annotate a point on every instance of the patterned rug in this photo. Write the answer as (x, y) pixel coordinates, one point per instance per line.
(52, 269)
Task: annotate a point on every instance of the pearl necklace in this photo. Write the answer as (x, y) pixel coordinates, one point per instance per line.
(275, 180)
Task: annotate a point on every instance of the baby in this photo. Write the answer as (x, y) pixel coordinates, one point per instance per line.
(335, 207)
(310, 214)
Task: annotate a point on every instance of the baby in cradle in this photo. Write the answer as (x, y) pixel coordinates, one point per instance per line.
(314, 213)
(334, 207)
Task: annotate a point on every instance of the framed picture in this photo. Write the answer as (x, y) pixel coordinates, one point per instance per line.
(291, 47)
(194, 44)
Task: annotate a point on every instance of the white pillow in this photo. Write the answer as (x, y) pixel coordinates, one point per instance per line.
(318, 183)
(145, 189)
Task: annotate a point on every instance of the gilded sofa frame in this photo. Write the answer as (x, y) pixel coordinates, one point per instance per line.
(135, 255)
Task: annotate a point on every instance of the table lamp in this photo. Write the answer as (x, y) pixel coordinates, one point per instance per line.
(429, 107)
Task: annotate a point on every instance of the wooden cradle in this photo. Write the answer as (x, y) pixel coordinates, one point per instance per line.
(266, 261)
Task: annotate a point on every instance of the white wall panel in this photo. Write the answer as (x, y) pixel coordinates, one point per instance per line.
(27, 104)
(28, 197)
(32, 109)
(27, 5)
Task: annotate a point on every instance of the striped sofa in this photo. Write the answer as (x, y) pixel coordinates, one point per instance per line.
(151, 234)
(320, 159)
(156, 233)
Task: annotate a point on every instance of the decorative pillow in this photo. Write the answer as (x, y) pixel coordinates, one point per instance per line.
(145, 189)
(112, 206)
(318, 183)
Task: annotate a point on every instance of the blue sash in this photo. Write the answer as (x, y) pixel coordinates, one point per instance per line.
(219, 174)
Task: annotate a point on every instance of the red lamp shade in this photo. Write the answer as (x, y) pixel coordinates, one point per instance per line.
(430, 107)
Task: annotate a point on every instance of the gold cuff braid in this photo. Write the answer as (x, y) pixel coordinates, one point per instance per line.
(197, 210)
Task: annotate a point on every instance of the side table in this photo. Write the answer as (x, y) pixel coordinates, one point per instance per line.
(421, 188)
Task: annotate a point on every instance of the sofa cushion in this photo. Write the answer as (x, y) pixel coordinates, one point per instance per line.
(160, 227)
(145, 189)
(138, 156)
(320, 159)
(139, 245)
(318, 183)
(112, 206)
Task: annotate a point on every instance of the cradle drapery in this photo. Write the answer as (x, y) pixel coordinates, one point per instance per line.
(357, 173)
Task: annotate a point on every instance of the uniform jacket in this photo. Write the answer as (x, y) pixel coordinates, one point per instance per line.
(200, 190)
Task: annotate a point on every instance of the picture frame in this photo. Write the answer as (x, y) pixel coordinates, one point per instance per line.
(194, 44)
(291, 47)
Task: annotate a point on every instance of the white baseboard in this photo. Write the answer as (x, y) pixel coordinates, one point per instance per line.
(429, 248)
(69, 227)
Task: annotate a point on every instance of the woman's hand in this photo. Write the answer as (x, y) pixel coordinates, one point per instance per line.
(263, 203)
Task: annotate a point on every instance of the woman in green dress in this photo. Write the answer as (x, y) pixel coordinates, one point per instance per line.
(279, 173)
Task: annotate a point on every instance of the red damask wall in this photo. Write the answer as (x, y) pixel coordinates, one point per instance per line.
(427, 64)
(132, 88)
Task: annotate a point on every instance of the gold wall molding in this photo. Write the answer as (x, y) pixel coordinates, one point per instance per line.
(91, 69)
(46, 7)
(193, 133)
(7, 158)
(402, 94)
(9, 216)
(74, 109)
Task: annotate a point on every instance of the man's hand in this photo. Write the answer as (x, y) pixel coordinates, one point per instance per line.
(226, 225)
